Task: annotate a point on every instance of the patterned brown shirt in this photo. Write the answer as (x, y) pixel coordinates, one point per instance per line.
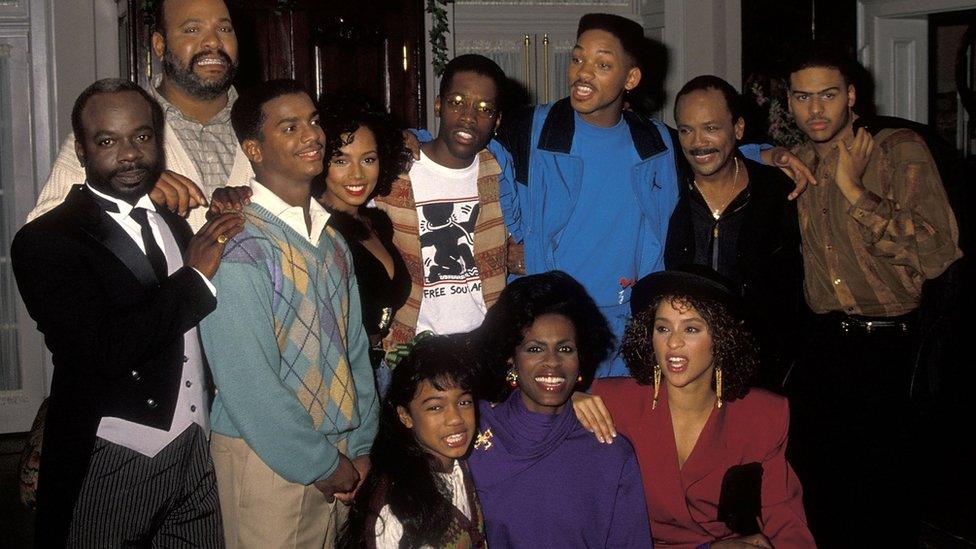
(871, 258)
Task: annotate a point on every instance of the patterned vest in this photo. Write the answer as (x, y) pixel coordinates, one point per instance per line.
(489, 244)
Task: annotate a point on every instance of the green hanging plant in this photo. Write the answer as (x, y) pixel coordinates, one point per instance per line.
(439, 30)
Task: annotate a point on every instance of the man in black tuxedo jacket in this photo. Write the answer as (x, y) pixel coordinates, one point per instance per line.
(117, 287)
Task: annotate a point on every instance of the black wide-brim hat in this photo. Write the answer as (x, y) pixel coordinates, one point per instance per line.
(694, 281)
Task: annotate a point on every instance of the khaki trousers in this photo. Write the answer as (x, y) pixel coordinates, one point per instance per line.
(263, 510)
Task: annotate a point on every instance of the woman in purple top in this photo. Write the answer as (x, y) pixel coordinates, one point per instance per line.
(542, 479)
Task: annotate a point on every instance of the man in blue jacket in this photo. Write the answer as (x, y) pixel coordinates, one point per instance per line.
(595, 183)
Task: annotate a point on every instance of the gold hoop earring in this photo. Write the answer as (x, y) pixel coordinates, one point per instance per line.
(718, 386)
(657, 385)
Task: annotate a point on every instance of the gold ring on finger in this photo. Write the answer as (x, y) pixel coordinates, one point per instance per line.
(221, 239)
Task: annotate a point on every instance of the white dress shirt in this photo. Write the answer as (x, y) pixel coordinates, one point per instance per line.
(389, 529)
(293, 216)
(191, 405)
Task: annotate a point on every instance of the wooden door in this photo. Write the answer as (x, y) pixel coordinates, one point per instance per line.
(371, 47)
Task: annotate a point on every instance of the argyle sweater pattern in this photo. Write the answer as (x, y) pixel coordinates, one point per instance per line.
(288, 350)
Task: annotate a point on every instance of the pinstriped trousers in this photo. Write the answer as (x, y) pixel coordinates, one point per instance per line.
(131, 500)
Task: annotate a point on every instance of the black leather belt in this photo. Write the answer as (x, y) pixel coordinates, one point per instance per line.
(869, 325)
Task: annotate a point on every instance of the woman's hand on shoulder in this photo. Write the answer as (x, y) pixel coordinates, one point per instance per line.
(594, 416)
(743, 542)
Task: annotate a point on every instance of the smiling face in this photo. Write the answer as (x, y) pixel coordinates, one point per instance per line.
(120, 150)
(199, 49)
(290, 144)
(442, 420)
(706, 130)
(469, 115)
(353, 172)
(599, 73)
(683, 346)
(547, 363)
(822, 103)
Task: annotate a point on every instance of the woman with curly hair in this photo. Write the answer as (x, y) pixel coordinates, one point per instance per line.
(712, 451)
(542, 479)
(418, 492)
(365, 154)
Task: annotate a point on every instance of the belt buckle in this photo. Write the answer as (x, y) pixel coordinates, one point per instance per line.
(869, 326)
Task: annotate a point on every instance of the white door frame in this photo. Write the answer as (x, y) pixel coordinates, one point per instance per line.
(870, 15)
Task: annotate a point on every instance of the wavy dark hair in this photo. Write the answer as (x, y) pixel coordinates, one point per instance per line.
(526, 299)
(734, 349)
(341, 115)
(403, 474)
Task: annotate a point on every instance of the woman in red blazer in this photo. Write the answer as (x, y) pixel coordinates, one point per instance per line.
(693, 421)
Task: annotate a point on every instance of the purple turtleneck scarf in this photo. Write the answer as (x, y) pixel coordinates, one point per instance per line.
(544, 481)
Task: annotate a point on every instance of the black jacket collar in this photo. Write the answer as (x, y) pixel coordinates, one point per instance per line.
(94, 221)
(560, 125)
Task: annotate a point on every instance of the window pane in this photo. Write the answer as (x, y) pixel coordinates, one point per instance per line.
(10, 374)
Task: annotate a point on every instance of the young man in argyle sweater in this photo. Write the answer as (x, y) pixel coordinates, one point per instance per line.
(296, 410)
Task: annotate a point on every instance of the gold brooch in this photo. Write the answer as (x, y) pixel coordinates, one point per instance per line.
(483, 439)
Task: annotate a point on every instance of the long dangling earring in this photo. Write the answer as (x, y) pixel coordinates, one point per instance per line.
(718, 386)
(512, 378)
(657, 384)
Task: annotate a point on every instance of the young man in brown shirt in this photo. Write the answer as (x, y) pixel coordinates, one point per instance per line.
(877, 227)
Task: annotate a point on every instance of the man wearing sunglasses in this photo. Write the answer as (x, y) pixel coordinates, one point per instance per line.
(446, 211)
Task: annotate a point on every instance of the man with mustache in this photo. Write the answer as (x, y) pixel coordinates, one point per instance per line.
(296, 408)
(877, 227)
(733, 215)
(117, 287)
(597, 183)
(197, 46)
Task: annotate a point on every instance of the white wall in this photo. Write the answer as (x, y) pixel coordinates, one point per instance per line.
(892, 42)
(702, 36)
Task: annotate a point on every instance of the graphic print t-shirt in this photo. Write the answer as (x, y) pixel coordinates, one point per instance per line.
(447, 210)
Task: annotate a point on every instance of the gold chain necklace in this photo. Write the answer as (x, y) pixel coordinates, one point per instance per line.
(717, 212)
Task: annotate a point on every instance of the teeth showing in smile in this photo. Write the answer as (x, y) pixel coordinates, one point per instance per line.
(464, 135)
(550, 380)
(454, 439)
(582, 90)
(210, 61)
(355, 188)
(310, 154)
